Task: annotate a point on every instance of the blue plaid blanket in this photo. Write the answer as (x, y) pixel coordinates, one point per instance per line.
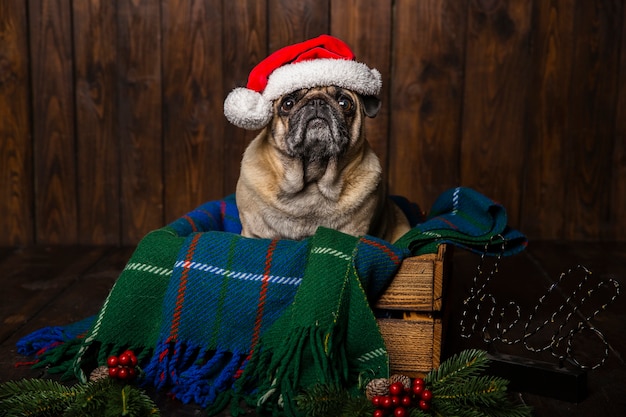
(196, 298)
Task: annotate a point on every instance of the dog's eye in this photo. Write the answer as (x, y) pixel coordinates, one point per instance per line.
(345, 103)
(287, 104)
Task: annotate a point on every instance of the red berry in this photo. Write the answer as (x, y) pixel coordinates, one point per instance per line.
(406, 401)
(113, 372)
(427, 395)
(376, 400)
(378, 413)
(396, 388)
(385, 402)
(395, 401)
(124, 359)
(112, 361)
(133, 358)
(424, 405)
(418, 381)
(399, 412)
(132, 373)
(417, 389)
(122, 373)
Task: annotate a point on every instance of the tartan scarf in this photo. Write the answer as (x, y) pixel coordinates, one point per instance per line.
(213, 315)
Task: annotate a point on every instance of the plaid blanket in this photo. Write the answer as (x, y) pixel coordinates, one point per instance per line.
(212, 315)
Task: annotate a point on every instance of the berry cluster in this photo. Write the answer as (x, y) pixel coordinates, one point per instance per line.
(401, 398)
(123, 366)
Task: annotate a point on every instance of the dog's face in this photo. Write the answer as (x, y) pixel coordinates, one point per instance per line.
(312, 167)
(319, 124)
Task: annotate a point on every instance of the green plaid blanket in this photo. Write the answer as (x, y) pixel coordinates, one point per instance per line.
(213, 315)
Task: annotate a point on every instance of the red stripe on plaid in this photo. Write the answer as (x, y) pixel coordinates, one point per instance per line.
(164, 354)
(191, 222)
(394, 258)
(44, 349)
(223, 209)
(209, 215)
(262, 296)
(448, 222)
(182, 286)
(29, 363)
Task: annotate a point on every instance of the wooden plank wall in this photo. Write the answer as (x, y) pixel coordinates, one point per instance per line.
(111, 118)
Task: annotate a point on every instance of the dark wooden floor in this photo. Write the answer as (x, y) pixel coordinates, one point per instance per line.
(52, 286)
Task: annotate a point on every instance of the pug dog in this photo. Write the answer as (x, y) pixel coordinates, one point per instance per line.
(312, 166)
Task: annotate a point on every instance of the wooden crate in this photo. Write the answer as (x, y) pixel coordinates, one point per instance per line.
(415, 296)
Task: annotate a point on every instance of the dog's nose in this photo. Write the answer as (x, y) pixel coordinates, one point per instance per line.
(317, 103)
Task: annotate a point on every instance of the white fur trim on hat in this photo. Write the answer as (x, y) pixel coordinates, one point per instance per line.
(343, 73)
(247, 109)
(251, 110)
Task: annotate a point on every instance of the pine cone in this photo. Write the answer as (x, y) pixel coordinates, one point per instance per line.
(406, 381)
(99, 373)
(378, 386)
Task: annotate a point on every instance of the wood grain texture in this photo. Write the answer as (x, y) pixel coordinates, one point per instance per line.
(547, 132)
(112, 112)
(426, 94)
(418, 284)
(592, 108)
(245, 45)
(16, 181)
(53, 121)
(193, 98)
(617, 225)
(349, 21)
(95, 40)
(498, 62)
(411, 343)
(140, 117)
(542, 261)
(75, 287)
(35, 277)
(296, 21)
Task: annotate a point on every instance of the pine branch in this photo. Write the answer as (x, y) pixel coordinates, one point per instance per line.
(12, 388)
(35, 397)
(416, 412)
(481, 390)
(460, 390)
(483, 396)
(507, 410)
(463, 365)
(43, 398)
(503, 410)
(92, 400)
(322, 400)
(357, 407)
(137, 403)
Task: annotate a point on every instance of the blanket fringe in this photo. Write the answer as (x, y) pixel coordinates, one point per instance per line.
(271, 380)
(194, 374)
(47, 338)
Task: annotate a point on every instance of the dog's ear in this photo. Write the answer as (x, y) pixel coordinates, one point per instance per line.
(371, 105)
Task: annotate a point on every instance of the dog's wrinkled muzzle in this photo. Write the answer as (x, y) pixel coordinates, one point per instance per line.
(317, 132)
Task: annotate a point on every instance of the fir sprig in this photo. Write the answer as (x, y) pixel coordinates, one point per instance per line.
(36, 397)
(332, 401)
(458, 368)
(459, 389)
(43, 398)
(416, 412)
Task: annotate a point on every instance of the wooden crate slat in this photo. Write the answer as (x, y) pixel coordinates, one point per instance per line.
(418, 285)
(413, 343)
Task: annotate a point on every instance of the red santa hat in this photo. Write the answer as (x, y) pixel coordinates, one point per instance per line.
(321, 61)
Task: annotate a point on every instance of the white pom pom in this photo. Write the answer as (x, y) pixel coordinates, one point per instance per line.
(247, 109)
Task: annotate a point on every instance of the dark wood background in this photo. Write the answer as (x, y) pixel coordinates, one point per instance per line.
(111, 119)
